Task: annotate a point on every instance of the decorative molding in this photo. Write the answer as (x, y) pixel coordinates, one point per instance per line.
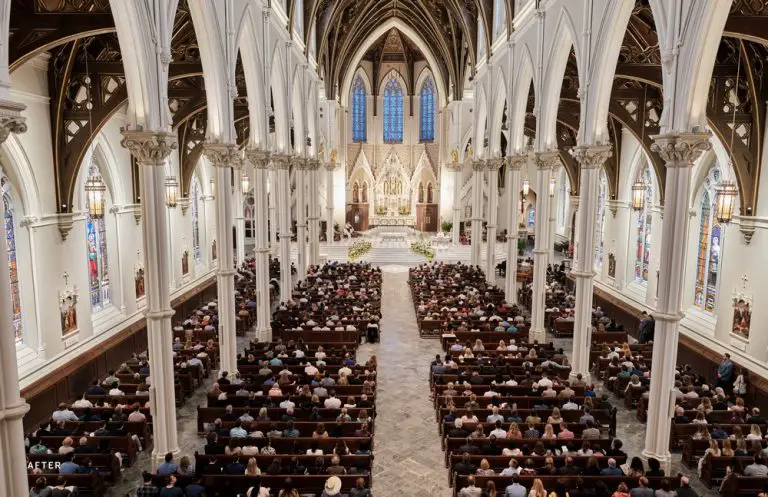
(223, 155)
(184, 204)
(516, 162)
(680, 149)
(11, 120)
(259, 158)
(151, 148)
(478, 165)
(281, 162)
(66, 221)
(591, 157)
(547, 159)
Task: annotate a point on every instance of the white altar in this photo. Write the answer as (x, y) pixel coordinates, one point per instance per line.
(392, 220)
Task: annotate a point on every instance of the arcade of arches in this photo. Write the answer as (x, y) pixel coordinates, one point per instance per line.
(159, 155)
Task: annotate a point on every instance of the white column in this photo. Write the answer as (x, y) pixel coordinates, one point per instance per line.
(224, 158)
(314, 212)
(679, 151)
(590, 159)
(478, 168)
(544, 163)
(551, 225)
(260, 161)
(301, 166)
(239, 214)
(13, 466)
(281, 164)
(329, 171)
(493, 167)
(32, 224)
(274, 244)
(514, 164)
(622, 214)
(455, 232)
(152, 150)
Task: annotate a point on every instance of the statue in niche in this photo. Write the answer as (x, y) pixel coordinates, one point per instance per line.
(430, 193)
(139, 283)
(334, 156)
(355, 193)
(364, 192)
(68, 308)
(421, 193)
(611, 265)
(454, 156)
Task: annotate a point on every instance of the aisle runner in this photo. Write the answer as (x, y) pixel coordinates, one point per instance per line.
(409, 459)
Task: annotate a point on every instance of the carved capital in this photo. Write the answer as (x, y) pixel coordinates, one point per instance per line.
(680, 149)
(11, 120)
(314, 164)
(494, 165)
(546, 160)
(259, 158)
(302, 164)
(747, 228)
(66, 221)
(281, 162)
(478, 165)
(516, 162)
(223, 155)
(591, 157)
(151, 148)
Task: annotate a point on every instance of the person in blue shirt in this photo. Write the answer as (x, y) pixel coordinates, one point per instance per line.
(290, 431)
(725, 372)
(512, 329)
(276, 361)
(612, 470)
(168, 467)
(195, 489)
(238, 431)
(69, 467)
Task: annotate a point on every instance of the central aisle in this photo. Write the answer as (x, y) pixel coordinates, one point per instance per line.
(408, 456)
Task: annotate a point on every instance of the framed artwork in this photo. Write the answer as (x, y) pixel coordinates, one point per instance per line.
(742, 316)
(68, 310)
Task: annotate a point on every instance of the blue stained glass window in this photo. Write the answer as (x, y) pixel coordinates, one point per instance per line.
(428, 111)
(10, 245)
(359, 98)
(196, 220)
(98, 262)
(644, 220)
(393, 111)
(710, 245)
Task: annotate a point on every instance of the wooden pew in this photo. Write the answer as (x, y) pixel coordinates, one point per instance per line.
(210, 414)
(88, 485)
(240, 483)
(124, 445)
(260, 400)
(550, 481)
(681, 432)
(107, 464)
(453, 445)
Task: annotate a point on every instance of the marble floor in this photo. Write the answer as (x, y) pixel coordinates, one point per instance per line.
(409, 459)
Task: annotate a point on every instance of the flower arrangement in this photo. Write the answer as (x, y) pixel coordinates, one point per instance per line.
(404, 210)
(381, 210)
(358, 249)
(423, 247)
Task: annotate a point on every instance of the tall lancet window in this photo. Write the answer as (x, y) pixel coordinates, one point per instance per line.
(10, 246)
(98, 260)
(196, 220)
(644, 220)
(600, 226)
(709, 247)
(393, 111)
(427, 133)
(359, 99)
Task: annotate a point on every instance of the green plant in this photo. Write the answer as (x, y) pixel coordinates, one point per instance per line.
(358, 249)
(522, 244)
(446, 226)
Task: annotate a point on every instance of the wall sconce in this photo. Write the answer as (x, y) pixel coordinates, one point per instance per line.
(726, 201)
(171, 191)
(552, 185)
(94, 190)
(526, 187)
(638, 196)
(245, 182)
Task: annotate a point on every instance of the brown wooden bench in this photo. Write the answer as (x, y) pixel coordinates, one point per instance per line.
(550, 481)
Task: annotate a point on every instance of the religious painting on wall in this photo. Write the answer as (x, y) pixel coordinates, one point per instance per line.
(742, 316)
(68, 309)
(185, 263)
(139, 283)
(611, 265)
(213, 251)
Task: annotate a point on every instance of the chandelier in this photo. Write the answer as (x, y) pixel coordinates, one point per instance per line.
(171, 191)
(94, 190)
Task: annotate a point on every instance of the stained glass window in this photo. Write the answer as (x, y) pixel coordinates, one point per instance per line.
(298, 17)
(499, 18)
(196, 220)
(531, 216)
(13, 269)
(393, 111)
(427, 133)
(708, 251)
(644, 220)
(98, 261)
(359, 97)
(600, 226)
(480, 38)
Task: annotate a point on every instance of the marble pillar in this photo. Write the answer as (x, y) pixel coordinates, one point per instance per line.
(239, 215)
(225, 158)
(13, 466)
(590, 159)
(280, 165)
(330, 168)
(314, 212)
(679, 151)
(456, 229)
(492, 166)
(478, 169)
(545, 161)
(260, 161)
(301, 168)
(514, 164)
(274, 244)
(152, 149)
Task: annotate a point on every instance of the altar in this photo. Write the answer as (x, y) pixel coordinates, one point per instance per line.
(393, 220)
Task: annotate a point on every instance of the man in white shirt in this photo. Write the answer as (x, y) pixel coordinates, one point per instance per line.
(115, 391)
(63, 414)
(310, 370)
(287, 404)
(498, 431)
(82, 402)
(544, 382)
(136, 415)
(344, 371)
(570, 406)
(495, 416)
(332, 402)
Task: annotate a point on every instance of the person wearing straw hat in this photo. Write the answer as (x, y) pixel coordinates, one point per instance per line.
(332, 487)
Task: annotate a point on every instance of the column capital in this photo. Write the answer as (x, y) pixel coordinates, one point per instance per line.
(591, 156)
(259, 158)
(223, 155)
(478, 165)
(302, 164)
(280, 162)
(151, 148)
(313, 164)
(494, 164)
(330, 166)
(516, 162)
(680, 149)
(11, 120)
(546, 159)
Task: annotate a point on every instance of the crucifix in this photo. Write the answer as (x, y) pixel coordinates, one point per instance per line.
(744, 281)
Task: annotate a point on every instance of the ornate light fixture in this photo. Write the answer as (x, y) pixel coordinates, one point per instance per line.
(94, 190)
(638, 196)
(245, 182)
(526, 187)
(171, 191)
(552, 185)
(726, 201)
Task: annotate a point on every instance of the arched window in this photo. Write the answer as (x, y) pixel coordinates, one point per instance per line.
(600, 226)
(298, 17)
(98, 260)
(480, 38)
(359, 97)
(644, 219)
(393, 111)
(499, 18)
(421, 193)
(427, 133)
(10, 246)
(196, 220)
(430, 194)
(531, 216)
(709, 248)
(356, 193)
(364, 193)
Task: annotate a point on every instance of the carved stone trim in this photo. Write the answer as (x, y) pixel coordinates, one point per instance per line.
(516, 162)
(591, 157)
(66, 221)
(494, 164)
(478, 165)
(11, 120)
(747, 228)
(281, 162)
(680, 149)
(546, 160)
(259, 158)
(302, 164)
(223, 155)
(151, 148)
